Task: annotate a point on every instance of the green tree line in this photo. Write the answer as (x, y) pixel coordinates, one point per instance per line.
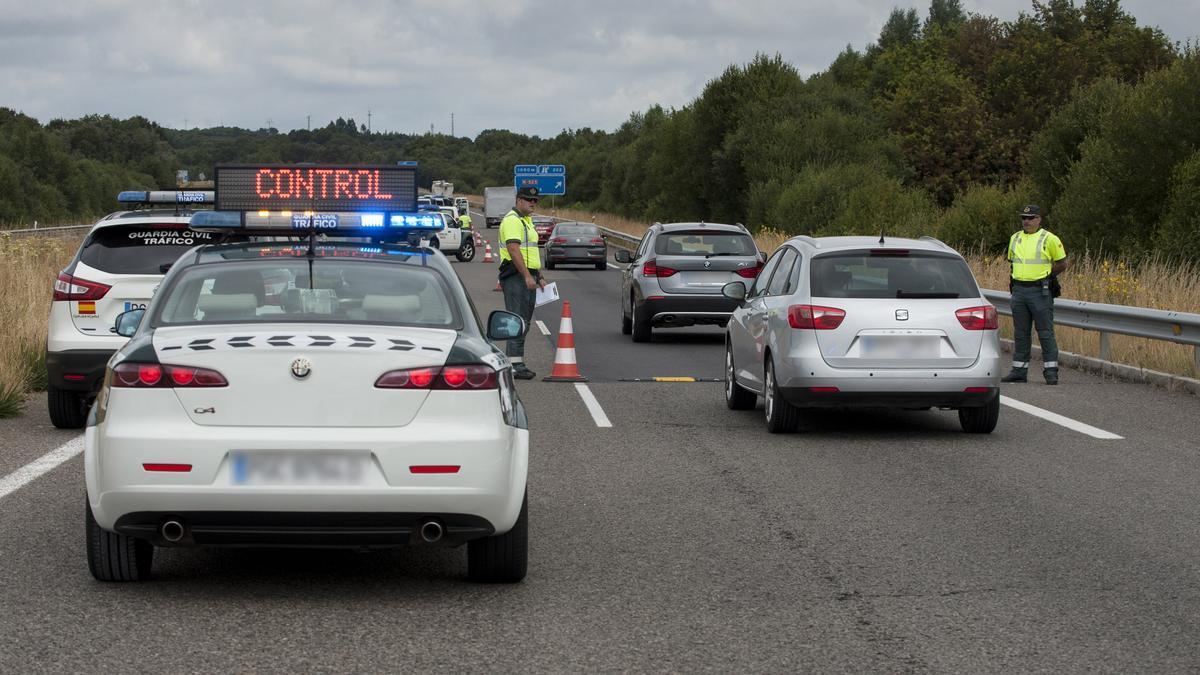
(944, 125)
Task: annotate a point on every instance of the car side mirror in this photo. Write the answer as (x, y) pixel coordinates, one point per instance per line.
(735, 290)
(762, 257)
(504, 325)
(623, 256)
(127, 322)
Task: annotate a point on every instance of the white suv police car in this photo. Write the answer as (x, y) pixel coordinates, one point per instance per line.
(118, 266)
(327, 414)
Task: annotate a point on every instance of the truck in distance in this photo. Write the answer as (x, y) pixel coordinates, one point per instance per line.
(497, 202)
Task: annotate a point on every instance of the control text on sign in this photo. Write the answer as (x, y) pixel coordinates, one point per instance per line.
(316, 188)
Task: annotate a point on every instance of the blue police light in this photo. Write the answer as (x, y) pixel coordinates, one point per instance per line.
(166, 197)
(371, 220)
(133, 197)
(217, 219)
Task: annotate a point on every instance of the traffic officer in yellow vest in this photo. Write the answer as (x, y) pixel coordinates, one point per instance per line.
(465, 220)
(1037, 258)
(520, 272)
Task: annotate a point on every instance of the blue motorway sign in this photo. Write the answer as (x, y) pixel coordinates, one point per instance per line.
(547, 185)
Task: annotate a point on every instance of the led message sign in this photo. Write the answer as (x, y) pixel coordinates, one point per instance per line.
(278, 187)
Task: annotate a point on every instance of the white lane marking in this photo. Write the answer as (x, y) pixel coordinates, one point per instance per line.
(593, 405)
(1067, 422)
(44, 464)
(542, 327)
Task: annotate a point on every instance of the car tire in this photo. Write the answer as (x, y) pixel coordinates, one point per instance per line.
(466, 252)
(782, 417)
(67, 408)
(626, 322)
(981, 420)
(503, 558)
(736, 396)
(602, 265)
(641, 328)
(116, 557)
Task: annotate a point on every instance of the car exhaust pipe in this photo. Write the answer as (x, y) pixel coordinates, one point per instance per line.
(172, 531)
(431, 532)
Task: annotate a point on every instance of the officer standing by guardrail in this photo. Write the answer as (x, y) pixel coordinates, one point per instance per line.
(1037, 258)
(520, 272)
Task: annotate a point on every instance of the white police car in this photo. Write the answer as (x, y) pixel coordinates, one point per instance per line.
(327, 415)
(118, 266)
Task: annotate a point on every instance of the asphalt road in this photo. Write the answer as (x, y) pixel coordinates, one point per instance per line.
(685, 537)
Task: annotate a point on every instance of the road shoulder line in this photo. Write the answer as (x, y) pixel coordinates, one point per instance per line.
(1074, 425)
(593, 406)
(40, 466)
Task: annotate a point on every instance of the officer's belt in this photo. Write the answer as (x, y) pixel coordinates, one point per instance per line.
(1037, 282)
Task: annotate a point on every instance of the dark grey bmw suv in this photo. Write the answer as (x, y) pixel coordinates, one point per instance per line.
(675, 276)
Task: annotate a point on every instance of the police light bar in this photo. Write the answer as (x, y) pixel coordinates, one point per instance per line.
(347, 223)
(320, 188)
(166, 197)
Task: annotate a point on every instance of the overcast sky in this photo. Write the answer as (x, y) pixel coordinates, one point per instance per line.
(531, 67)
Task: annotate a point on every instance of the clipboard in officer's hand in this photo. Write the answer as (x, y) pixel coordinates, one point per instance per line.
(546, 295)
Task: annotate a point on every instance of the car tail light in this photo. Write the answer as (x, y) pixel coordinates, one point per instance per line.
(751, 272)
(815, 317)
(651, 269)
(170, 468)
(977, 390)
(979, 318)
(558, 240)
(447, 377)
(597, 241)
(67, 287)
(165, 376)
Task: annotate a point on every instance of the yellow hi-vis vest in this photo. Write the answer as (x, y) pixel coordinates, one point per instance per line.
(1032, 254)
(465, 219)
(516, 228)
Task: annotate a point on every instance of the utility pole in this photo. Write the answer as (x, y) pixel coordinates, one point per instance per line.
(431, 128)
(269, 121)
(451, 124)
(185, 126)
(308, 122)
(368, 122)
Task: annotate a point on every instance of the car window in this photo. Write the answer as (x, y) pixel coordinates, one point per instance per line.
(642, 245)
(577, 230)
(704, 242)
(783, 273)
(336, 291)
(760, 283)
(139, 249)
(910, 275)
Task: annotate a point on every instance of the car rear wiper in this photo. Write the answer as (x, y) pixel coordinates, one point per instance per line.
(713, 255)
(929, 295)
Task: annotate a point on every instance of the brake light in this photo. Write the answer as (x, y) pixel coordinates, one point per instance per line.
(558, 240)
(815, 317)
(597, 241)
(67, 287)
(449, 377)
(899, 252)
(751, 272)
(979, 318)
(153, 375)
(651, 269)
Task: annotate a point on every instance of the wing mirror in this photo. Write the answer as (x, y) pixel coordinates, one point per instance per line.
(504, 325)
(127, 322)
(735, 290)
(623, 256)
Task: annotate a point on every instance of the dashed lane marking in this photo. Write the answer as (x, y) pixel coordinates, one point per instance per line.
(593, 406)
(542, 327)
(1074, 425)
(42, 465)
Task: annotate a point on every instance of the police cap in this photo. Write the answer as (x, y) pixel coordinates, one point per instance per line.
(1031, 211)
(528, 192)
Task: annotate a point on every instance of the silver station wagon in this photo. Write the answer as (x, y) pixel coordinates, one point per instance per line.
(863, 322)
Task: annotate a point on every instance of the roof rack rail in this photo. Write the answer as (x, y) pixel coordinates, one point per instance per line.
(808, 240)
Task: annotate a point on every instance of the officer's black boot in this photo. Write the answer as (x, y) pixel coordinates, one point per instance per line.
(1051, 375)
(1018, 375)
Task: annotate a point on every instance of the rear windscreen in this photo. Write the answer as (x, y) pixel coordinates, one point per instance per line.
(705, 243)
(323, 291)
(140, 249)
(914, 275)
(576, 230)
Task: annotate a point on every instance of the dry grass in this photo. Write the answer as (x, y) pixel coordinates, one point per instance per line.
(28, 266)
(1148, 283)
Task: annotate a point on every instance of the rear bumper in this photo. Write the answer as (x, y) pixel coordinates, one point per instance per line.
(301, 529)
(806, 397)
(77, 370)
(562, 255)
(682, 310)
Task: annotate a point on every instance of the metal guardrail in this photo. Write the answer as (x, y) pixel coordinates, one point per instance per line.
(1154, 324)
(40, 230)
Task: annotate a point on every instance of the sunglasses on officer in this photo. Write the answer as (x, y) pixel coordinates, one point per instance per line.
(1029, 217)
(531, 200)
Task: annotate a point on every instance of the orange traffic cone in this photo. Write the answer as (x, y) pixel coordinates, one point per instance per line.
(565, 368)
(498, 287)
(487, 253)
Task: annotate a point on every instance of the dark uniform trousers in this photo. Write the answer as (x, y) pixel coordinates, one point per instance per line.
(520, 301)
(1033, 305)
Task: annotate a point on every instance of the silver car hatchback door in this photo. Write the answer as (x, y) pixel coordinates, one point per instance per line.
(899, 312)
(703, 261)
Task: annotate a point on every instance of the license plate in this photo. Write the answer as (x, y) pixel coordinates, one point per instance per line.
(900, 347)
(300, 468)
